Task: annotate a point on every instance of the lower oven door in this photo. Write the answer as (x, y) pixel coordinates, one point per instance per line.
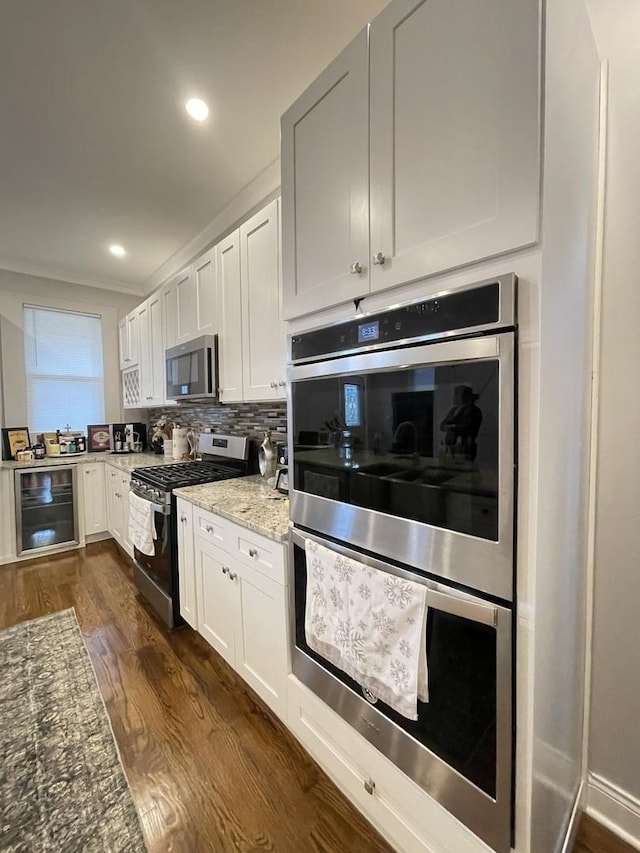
(154, 574)
(460, 747)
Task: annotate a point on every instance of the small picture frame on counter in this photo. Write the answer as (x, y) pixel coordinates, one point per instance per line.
(98, 438)
(13, 440)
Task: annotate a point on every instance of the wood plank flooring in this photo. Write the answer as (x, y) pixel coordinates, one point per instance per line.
(210, 768)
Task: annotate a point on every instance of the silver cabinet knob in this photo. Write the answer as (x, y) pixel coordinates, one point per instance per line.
(355, 269)
(232, 576)
(273, 384)
(183, 518)
(369, 786)
(225, 570)
(253, 552)
(209, 528)
(379, 259)
(282, 383)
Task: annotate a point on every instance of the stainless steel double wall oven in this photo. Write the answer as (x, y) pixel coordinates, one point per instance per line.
(402, 456)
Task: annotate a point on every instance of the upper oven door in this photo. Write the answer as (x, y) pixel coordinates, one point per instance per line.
(409, 453)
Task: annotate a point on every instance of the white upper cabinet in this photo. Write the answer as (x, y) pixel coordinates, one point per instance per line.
(128, 340)
(263, 336)
(455, 174)
(187, 318)
(445, 159)
(325, 187)
(151, 363)
(204, 276)
(169, 295)
(230, 335)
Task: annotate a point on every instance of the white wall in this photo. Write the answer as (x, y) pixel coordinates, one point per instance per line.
(568, 243)
(614, 749)
(17, 289)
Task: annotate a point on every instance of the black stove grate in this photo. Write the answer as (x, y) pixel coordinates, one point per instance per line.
(169, 477)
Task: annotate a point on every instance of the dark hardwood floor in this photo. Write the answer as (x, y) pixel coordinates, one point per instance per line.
(210, 768)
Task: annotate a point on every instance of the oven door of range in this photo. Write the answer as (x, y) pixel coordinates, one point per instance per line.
(154, 573)
(460, 748)
(410, 453)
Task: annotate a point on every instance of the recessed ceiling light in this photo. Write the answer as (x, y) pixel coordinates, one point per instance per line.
(197, 109)
(118, 251)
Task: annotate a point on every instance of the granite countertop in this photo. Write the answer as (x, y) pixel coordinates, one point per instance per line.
(126, 461)
(246, 500)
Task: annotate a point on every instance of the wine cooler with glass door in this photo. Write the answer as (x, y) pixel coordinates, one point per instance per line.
(46, 509)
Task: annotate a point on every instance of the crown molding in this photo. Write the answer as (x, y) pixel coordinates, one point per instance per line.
(69, 276)
(250, 196)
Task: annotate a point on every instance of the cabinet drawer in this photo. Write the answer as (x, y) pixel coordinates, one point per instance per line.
(260, 553)
(211, 528)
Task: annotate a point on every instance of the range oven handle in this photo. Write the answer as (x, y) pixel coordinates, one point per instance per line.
(439, 596)
(163, 510)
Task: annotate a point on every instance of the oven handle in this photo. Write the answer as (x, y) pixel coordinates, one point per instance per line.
(449, 601)
(164, 510)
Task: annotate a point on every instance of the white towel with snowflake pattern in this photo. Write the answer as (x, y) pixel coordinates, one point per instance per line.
(370, 624)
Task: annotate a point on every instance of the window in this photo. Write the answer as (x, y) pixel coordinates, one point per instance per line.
(63, 364)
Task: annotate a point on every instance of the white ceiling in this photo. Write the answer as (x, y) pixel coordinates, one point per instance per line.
(95, 145)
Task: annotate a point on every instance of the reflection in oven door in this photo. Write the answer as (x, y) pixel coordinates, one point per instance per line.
(156, 575)
(459, 749)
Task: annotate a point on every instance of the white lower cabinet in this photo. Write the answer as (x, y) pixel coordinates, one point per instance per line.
(238, 590)
(187, 589)
(117, 490)
(400, 810)
(94, 498)
(7, 517)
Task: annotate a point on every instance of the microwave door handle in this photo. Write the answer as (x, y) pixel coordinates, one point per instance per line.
(476, 611)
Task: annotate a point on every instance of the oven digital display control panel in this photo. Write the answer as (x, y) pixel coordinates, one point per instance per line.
(369, 332)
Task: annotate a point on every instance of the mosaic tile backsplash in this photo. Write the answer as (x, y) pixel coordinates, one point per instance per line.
(251, 419)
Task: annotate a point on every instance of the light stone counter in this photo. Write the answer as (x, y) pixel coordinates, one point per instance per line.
(246, 500)
(126, 461)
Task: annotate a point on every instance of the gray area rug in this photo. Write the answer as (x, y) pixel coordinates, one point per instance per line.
(62, 786)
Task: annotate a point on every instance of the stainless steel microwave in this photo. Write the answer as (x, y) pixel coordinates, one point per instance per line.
(192, 369)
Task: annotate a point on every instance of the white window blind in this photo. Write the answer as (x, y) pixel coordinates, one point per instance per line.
(63, 362)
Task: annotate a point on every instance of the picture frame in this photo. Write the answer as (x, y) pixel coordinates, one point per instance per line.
(13, 440)
(98, 438)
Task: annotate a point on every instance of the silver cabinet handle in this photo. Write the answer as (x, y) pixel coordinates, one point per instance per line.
(369, 786)
(232, 575)
(355, 269)
(379, 259)
(253, 552)
(225, 570)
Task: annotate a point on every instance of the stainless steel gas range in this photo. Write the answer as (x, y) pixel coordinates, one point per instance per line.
(156, 576)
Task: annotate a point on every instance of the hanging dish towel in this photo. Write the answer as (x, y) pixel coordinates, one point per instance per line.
(142, 530)
(370, 624)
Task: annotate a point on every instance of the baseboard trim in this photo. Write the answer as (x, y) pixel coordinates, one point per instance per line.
(616, 809)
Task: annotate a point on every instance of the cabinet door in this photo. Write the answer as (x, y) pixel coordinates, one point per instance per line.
(186, 564)
(230, 326)
(204, 273)
(114, 503)
(263, 348)
(187, 306)
(325, 187)
(156, 351)
(261, 653)
(123, 343)
(218, 600)
(145, 368)
(132, 335)
(454, 131)
(123, 492)
(95, 502)
(169, 298)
